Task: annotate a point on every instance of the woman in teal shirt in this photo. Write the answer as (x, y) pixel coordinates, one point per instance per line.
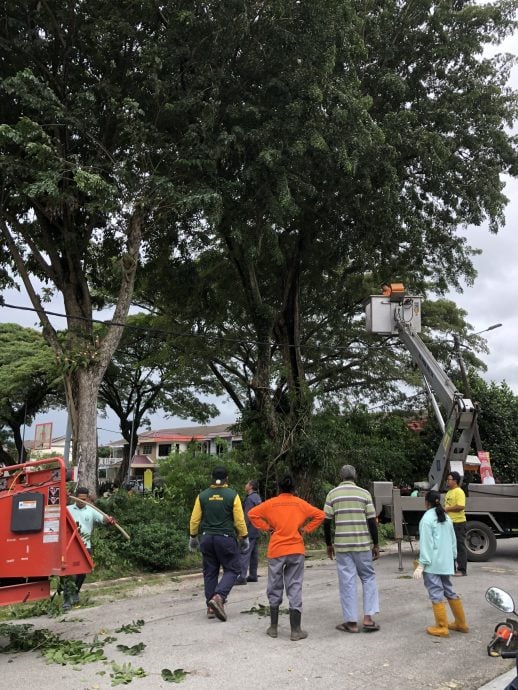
(437, 553)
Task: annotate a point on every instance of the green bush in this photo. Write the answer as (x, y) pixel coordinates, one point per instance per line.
(385, 532)
(158, 530)
(185, 475)
(157, 546)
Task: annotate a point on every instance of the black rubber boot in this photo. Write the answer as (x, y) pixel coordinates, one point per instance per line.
(274, 621)
(296, 632)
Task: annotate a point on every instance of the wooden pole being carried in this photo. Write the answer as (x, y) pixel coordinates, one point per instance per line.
(87, 503)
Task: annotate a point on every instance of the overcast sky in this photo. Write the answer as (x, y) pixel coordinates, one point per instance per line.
(492, 299)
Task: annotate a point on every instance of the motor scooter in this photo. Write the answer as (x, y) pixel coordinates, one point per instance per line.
(505, 640)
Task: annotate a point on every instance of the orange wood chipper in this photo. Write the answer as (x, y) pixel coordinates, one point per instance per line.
(38, 536)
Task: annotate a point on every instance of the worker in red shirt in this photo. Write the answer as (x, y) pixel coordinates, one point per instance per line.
(287, 518)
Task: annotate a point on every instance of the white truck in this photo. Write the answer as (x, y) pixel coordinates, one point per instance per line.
(491, 509)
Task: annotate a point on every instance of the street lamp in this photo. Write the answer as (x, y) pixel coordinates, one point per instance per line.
(464, 375)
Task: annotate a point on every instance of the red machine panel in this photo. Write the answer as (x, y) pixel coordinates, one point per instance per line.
(38, 537)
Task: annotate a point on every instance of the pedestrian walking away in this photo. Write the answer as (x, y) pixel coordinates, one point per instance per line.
(288, 518)
(350, 509)
(86, 517)
(455, 507)
(250, 557)
(437, 552)
(217, 519)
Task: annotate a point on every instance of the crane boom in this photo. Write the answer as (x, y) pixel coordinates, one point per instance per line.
(491, 510)
(397, 313)
(459, 427)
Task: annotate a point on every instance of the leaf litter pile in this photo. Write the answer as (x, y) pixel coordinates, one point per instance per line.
(56, 650)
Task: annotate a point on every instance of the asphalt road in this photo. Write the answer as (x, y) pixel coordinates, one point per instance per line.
(238, 653)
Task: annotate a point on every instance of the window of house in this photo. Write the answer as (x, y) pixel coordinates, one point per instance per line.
(147, 448)
(164, 449)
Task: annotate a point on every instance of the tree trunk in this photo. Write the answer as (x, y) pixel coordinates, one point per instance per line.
(84, 426)
(5, 458)
(17, 438)
(127, 427)
(83, 357)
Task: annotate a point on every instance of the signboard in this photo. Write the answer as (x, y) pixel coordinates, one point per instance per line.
(43, 436)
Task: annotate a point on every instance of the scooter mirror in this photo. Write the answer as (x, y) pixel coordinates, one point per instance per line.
(500, 599)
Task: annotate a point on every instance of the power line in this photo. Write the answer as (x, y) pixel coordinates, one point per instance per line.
(190, 334)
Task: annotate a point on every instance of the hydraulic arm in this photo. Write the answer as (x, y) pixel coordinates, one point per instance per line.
(461, 413)
(396, 313)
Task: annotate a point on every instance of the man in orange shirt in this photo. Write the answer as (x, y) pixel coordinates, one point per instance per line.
(287, 518)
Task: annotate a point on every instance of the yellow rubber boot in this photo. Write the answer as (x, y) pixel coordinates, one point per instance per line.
(441, 621)
(457, 609)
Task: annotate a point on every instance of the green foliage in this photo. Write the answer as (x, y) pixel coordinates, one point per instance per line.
(157, 527)
(123, 674)
(380, 446)
(186, 474)
(56, 650)
(150, 372)
(158, 546)
(73, 652)
(348, 145)
(498, 425)
(263, 611)
(29, 378)
(385, 532)
(175, 676)
(135, 650)
(133, 627)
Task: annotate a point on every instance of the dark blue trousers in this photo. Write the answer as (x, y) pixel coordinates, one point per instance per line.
(250, 559)
(219, 551)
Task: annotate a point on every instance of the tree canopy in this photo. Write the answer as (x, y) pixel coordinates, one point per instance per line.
(80, 166)
(286, 157)
(346, 146)
(30, 381)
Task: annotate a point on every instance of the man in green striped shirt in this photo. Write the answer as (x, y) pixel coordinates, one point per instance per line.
(351, 510)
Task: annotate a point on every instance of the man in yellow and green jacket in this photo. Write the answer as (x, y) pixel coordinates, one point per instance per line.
(217, 520)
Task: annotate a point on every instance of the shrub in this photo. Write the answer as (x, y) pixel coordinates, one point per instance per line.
(158, 529)
(157, 546)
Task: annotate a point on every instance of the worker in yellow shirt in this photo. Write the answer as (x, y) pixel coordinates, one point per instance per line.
(455, 506)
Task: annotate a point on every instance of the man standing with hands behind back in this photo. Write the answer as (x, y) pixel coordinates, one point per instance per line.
(455, 507)
(355, 547)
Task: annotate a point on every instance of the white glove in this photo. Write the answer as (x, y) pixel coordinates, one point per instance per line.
(418, 572)
(194, 544)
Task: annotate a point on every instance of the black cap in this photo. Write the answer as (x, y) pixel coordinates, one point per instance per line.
(219, 474)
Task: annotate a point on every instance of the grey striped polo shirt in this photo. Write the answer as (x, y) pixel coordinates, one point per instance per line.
(350, 507)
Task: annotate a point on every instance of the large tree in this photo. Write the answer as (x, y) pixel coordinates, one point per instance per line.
(81, 159)
(347, 144)
(29, 380)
